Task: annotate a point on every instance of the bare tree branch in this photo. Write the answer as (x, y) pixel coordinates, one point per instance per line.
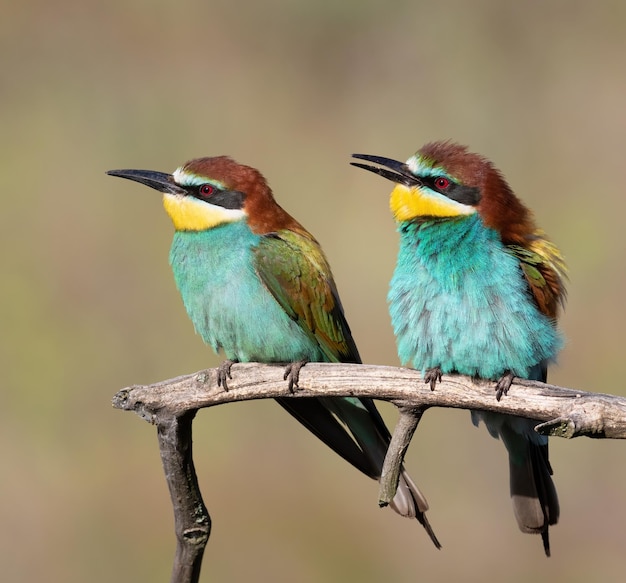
(565, 412)
(400, 441)
(192, 522)
(172, 405)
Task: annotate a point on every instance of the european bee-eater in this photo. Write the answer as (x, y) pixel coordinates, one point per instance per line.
(257, 285)
(476, 291)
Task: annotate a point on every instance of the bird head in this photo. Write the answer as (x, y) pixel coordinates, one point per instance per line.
(207, 192)
(443, 180)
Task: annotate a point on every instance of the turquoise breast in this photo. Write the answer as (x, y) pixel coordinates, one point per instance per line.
(229, 306)
(459, 300)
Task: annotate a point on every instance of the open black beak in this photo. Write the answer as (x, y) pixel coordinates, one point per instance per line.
(393, 170)
(157, 180)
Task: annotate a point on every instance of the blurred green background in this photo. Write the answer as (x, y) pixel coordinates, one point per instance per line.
(88, 304)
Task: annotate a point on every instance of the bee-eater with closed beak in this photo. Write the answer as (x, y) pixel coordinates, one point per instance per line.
(257, 285)
(476, 291)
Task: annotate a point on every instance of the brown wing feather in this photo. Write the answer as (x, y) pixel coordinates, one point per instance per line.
(545, 271)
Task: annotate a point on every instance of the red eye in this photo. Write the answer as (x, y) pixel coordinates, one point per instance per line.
(442, 183)
(206, 190)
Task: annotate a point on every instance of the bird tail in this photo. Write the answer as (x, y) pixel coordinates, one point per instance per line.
(535, 501)
(354, 429)
(410, 502)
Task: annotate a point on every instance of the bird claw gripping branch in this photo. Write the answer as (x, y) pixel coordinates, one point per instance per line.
(223, 373)
(432, 377)
(504, 384)
(292, 373)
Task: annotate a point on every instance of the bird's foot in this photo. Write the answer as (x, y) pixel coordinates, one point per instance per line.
(223, 373)
(292, 372)
(432, 376)
(504, 384)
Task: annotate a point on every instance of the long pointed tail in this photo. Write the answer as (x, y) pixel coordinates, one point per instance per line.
(535, 501)
(534, 496)
(354, 429)
(410, 502)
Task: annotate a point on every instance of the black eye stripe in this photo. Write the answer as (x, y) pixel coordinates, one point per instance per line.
(228, 199)
(463, 194)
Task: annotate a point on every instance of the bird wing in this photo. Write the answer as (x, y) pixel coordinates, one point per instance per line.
(534, 496)
(294, 269)
(545, 272)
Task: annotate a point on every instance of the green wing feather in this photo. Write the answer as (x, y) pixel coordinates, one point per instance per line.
(294, 269)
(545, 271)
(292, 266)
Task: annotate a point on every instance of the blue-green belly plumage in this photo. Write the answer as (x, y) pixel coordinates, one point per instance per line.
(228, 304)
(458, 300)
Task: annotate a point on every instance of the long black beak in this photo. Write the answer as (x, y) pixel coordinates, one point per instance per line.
(391, 169)
(157, 180)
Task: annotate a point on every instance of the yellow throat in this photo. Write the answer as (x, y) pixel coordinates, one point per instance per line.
(409, 203)
(190, 214)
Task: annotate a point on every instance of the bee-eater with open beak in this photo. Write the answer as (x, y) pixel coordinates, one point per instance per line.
(257, 285)
(476, 291)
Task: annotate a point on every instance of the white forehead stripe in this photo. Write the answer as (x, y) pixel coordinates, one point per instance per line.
(420, 167)
(183, 178)
(413, 163)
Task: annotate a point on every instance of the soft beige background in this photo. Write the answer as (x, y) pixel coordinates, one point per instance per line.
(88, 305)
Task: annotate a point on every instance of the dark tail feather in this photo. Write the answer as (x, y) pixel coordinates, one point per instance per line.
(534, 496)
(354, 429)
(535, 502)
(410, 502)
(323, 424)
